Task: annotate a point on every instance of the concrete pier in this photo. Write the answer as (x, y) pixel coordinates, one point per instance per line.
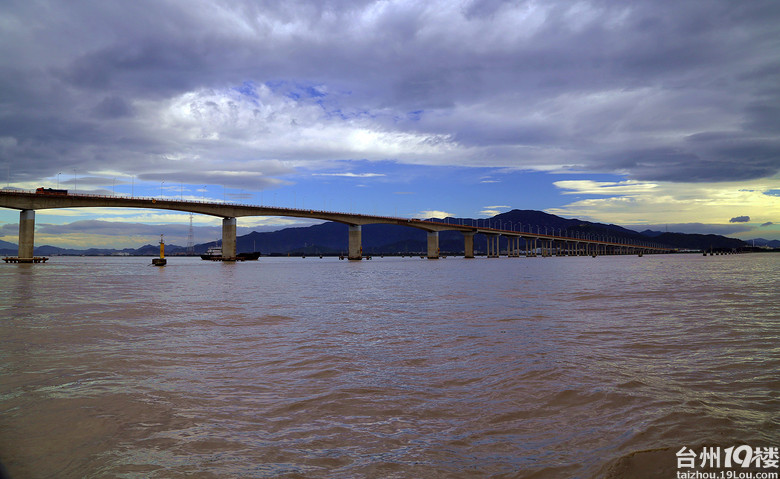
(26, 234)
(228, 238)
(492, 245)
(433, 245)
(468, 244)
(513, 246)
(355, 251)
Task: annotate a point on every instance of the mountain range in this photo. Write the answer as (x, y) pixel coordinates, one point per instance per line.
(331, 238)
(763, 242)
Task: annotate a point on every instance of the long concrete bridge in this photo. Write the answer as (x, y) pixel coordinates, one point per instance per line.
(535, 243)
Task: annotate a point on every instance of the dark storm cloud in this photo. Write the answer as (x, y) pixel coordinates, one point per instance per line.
(9, 229)
(705, 157)
(768, 223)
(740, 219)
(113, 107)
(678, 91)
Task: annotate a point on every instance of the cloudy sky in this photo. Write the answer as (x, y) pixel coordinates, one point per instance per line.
(662, 114)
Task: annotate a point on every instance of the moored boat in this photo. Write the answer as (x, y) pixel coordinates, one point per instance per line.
(214, 253)
(248, 256)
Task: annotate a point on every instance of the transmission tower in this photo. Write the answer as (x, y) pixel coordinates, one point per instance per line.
(191, 239)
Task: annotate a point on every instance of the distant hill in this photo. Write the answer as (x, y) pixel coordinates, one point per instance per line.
(764, 242)
(698, 241)
(331, 238)
(7, 248)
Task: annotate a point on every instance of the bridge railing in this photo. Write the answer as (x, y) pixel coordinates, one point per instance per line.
(215, 202)
(392, 219)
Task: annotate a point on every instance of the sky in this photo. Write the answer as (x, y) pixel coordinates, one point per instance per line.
(662, 115)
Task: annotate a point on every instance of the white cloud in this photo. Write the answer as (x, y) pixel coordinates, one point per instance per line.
(351, 175)
(275, 222)
(161, 218)
(433, 214)
(661, 202)
(489, 212)
(493, 210)
(263, 123)
(607, 188)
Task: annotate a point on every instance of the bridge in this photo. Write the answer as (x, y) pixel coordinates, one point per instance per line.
(535, 243)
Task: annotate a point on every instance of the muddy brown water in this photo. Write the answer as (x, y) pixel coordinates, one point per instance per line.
(394, 367)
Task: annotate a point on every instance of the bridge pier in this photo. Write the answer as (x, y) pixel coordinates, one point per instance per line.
(511, 248)
(492, 245)
(355, 246)
(433, 245)
(468, 244)
(26, 233)
(229, 238)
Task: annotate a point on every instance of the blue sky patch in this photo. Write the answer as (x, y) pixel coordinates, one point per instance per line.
(248, 89)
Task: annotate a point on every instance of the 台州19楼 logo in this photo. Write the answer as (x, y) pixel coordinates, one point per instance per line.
(736, 462)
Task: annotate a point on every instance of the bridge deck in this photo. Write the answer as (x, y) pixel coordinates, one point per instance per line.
(31, 201)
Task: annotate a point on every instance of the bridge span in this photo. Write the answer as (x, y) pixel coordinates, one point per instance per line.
(535, 243)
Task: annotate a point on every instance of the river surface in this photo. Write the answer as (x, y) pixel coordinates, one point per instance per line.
(394, 367)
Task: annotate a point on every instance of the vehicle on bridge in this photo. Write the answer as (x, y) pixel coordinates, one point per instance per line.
(51, 191)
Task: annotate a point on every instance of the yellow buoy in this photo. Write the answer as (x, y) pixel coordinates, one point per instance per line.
(161, 261)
